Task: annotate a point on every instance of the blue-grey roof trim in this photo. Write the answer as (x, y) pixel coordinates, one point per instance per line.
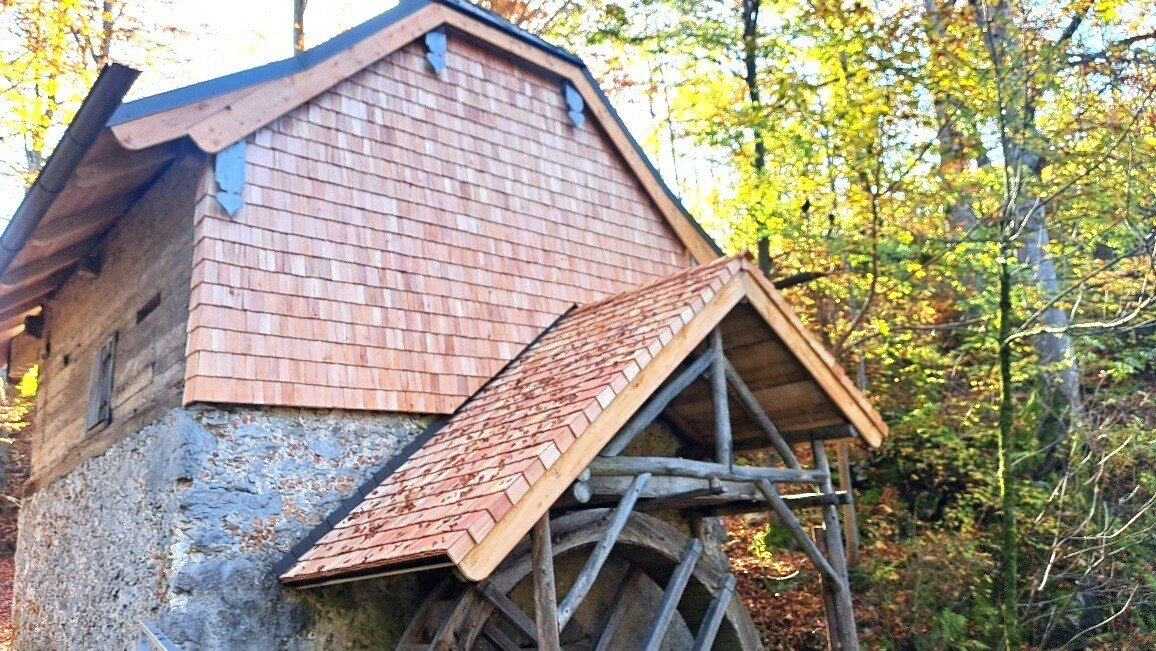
(276, 70)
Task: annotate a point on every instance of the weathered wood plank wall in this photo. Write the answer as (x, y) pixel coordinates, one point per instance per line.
(148, 254)
(406, 233)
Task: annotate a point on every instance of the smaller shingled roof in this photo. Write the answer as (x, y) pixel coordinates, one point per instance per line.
(500, 452)
(445, 499)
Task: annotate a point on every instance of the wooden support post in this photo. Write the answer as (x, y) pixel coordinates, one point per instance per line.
(545, 599)
(714, 615)
(848, 636)
(850, 519)
(672, 595)
(751, 404)
(828, 589)
(618, 610)
(723, 446)
(656, 404)
(601, 552)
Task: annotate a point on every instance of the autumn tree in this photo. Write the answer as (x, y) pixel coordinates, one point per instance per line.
(966, 187)
(55, 51)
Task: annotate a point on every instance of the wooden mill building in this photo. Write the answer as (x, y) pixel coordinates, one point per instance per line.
(401, 342)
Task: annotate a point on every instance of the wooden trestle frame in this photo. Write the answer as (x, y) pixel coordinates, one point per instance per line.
(702, 488)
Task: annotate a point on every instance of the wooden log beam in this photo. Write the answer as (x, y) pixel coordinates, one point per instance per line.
(672, 595)
(796, 501)
(510, 611)
(618, 610)
(755, 410)
(609, 466)
(715, 613)
(610, 489)
(668, 493)
(656, 404)
(848, 636)
(585, 579)
(723, 446)
(545, 599)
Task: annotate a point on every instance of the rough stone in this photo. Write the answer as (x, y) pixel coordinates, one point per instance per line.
(181, 523)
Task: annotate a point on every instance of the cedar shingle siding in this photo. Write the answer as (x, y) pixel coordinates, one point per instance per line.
(405, 234)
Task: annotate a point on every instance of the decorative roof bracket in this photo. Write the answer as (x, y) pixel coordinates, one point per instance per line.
(575, 104)
(435, 43)
(230, 171)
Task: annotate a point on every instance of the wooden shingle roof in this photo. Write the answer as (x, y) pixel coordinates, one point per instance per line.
(477, 485)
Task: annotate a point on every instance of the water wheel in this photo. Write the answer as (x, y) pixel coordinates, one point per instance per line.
(616, 614)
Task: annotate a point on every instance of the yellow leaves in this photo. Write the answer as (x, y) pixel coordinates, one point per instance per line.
(1106, 9)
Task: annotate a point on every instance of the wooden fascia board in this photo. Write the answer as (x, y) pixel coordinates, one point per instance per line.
(219, 122)
(477, 563)
(270, 101)
(166, 126)
(820, 364)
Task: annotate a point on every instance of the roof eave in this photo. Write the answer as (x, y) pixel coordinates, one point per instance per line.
(102, 101)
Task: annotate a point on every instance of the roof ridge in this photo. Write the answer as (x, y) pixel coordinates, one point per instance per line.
(316, 55)
(671, 279)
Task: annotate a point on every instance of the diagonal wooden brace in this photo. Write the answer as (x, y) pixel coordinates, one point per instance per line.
(657, 403)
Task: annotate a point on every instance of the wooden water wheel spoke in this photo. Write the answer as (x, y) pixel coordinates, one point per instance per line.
(498, 638)
(714, 615)
(601, 551)
(511, 612)
(614, 617)
(672, 595)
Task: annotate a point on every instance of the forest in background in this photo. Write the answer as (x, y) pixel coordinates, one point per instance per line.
(958, 197)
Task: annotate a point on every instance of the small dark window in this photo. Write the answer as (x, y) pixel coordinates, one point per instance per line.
(148, 308)
(100, 385)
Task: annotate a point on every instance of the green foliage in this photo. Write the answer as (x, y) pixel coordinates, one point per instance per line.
(898, 148)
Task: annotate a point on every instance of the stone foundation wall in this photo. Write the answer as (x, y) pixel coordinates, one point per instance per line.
(181, 523)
